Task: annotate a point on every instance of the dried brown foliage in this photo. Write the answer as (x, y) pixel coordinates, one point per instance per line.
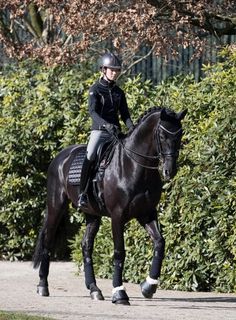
(65, 31)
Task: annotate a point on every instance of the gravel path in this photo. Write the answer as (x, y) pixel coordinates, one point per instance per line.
(69, 299)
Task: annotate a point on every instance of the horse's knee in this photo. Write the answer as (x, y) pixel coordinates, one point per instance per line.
(159, 247)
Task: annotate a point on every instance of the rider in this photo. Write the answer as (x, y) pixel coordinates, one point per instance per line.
(106, 102)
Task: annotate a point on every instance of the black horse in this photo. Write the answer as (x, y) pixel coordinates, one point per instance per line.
(130, 188)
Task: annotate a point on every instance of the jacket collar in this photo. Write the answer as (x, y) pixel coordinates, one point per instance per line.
(105, 83)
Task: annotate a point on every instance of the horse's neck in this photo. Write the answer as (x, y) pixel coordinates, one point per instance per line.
(142, 138)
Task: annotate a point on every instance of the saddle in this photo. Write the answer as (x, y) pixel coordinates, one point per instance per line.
(103, 158)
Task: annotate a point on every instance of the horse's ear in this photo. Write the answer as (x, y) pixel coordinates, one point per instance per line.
(163, 115)
(181, 114)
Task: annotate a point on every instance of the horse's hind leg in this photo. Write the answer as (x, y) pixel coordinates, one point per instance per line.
(92, 227)
(46, 243)
(42, 287)
(149, 286)
(42, 258)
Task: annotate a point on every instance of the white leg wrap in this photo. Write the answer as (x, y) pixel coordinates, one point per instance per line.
(114, 290)
(151, 281)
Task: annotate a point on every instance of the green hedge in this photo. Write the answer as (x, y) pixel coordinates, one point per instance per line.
(44, 110)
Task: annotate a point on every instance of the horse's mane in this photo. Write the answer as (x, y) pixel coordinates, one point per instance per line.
(146, 114)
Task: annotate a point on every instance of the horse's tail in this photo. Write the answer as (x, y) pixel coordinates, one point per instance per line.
(38, 252)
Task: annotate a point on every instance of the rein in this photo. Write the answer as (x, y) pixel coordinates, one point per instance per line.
(143, 156)
(149, 157)
(146, 157)
(127, 150)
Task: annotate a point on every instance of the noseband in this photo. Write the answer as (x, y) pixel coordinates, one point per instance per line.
(160, 153)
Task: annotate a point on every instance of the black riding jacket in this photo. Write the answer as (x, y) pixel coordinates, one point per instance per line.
(106, 102)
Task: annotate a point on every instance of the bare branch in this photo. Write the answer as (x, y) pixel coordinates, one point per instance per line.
(138, 60)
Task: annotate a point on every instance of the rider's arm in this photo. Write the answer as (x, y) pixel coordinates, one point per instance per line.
(93, 106)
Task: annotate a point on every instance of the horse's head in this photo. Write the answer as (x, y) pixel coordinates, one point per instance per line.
(169, 133)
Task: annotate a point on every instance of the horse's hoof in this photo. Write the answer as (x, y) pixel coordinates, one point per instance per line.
(148, 289)
(43, 291)
(122, 302)
(120, 297)
(95, 292)
(96, 295)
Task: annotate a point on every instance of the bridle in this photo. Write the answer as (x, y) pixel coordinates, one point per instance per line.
(160, 153)
(159, 145)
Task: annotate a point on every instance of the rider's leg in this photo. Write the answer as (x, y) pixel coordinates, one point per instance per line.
(96, 137)
(85, 175)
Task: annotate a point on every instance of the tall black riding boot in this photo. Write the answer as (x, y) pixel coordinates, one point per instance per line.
(84, 181)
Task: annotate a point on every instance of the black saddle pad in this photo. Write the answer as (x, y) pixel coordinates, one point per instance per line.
(76, 166)
(104, 155)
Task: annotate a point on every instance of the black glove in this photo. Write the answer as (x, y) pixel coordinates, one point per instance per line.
(111, 128)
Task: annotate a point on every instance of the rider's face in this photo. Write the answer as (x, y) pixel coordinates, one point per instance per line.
(112, 74)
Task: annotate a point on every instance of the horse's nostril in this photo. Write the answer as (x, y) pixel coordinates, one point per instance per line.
(166, 172)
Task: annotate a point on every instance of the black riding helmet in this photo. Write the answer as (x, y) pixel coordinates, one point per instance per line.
(110, 60)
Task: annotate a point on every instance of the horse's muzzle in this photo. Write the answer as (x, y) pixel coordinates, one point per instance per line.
(169, 169)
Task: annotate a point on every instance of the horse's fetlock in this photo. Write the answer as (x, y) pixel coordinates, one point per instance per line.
(43, 283)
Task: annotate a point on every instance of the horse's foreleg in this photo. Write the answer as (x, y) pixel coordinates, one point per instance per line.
(92, 227)
(119, 295)
(149, 286)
